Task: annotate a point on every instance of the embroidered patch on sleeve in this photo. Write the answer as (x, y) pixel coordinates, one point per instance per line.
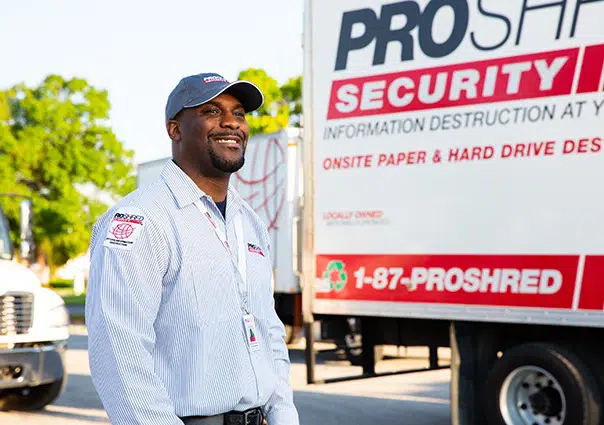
(125, 228)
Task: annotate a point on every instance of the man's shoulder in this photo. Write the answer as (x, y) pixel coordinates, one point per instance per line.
(144, 201)
(139, 212)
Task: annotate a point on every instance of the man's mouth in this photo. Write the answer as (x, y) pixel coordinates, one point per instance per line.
(228, 141)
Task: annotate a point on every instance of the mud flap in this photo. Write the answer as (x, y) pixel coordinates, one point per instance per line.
(472, 354)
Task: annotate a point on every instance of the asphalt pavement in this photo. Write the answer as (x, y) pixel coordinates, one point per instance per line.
(409, 399)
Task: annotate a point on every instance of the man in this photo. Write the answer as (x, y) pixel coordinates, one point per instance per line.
(181, 321)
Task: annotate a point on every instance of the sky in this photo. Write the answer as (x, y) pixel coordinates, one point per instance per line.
(139, 50)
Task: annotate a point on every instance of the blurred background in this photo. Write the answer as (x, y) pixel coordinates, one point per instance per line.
(432, 203)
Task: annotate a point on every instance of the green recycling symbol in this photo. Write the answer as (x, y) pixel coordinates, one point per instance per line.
(336, 275)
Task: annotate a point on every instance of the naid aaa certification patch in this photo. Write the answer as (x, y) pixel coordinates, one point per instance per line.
(125, 228)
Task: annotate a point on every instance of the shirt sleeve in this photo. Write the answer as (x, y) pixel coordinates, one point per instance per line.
(280, 408)
(128, 258)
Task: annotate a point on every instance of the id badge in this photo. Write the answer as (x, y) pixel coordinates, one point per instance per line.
(250, 332)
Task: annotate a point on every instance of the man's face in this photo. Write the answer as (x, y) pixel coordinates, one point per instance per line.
(213, 136)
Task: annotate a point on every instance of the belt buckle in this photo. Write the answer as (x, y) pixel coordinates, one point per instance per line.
(251, 417)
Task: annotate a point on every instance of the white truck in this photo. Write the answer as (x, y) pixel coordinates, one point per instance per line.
(34, 328)
(453, 151)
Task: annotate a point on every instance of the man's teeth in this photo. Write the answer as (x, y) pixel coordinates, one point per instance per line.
(226, 141)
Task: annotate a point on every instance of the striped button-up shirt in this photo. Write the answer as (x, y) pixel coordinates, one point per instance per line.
(164, 310)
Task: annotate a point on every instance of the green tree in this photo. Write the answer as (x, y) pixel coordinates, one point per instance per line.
(292, 95)
(55, 142)
(282, 104)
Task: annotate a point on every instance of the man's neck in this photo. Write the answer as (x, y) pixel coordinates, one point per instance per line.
(214, 186)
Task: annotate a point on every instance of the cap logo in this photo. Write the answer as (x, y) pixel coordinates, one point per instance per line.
(214, 79)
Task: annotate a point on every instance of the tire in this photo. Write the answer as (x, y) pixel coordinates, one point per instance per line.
(355, 355)
(354, 350)
(535, 381)
(32, 398)
(289, 334)
(292, 334)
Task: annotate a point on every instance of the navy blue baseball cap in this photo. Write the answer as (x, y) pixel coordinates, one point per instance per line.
(198, 89)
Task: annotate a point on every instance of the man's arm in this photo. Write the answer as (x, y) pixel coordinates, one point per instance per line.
(280, 409)
(122, 301)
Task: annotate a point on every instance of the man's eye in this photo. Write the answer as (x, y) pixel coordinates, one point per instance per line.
(211, 111)
(240, 114)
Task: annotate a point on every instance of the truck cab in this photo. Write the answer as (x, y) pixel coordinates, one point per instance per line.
(34, 327)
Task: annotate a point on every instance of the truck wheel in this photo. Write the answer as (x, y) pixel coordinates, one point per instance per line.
(32, 398)
(289, 333)
(538, 384)
(292, 334)
(354, 350)
(355, 355)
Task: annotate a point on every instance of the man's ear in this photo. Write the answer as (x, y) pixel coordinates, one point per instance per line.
(173, 129)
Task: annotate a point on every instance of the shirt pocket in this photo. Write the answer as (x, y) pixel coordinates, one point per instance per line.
(215, 292)
(259, 275)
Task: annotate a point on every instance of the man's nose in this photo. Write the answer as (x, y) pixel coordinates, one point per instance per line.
(229, 121)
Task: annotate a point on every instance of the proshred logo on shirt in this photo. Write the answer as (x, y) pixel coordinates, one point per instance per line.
(130, 218)
(255, 249)
(125, 228)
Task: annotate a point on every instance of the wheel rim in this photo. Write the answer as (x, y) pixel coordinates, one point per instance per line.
(353, 344)
(531, 395)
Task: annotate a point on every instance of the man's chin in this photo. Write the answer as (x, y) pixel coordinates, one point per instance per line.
(227, 160)
(229, 165)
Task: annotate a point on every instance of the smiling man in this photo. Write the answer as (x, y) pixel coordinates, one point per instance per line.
(181, 321)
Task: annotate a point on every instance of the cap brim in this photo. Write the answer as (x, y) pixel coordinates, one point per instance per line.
(248, 94)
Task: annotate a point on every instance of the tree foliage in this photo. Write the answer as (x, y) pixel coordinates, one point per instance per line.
(282, 104)
(292, 95)
(54, 141)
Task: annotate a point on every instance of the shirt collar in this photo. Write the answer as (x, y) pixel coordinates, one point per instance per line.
(186, 192)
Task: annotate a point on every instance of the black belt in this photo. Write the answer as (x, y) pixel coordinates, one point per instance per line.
(249, 417)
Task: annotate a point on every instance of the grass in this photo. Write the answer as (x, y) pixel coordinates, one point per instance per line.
(61, 284)
(65, 291)
(74, 299)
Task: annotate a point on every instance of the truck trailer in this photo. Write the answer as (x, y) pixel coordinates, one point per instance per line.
(453, 151)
